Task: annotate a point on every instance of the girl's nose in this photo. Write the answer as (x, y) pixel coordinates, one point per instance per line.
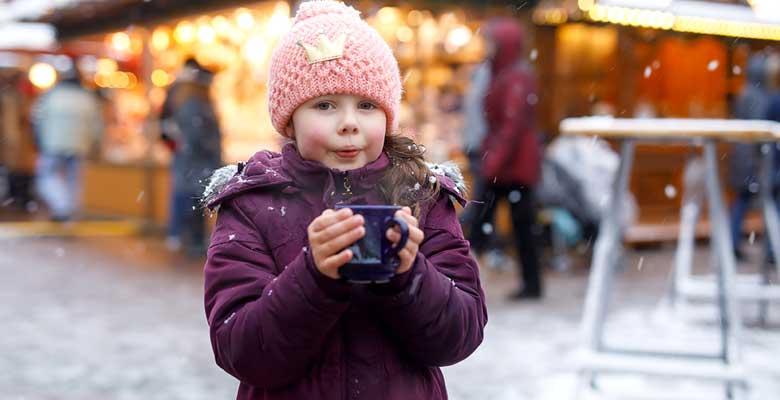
(349, 123)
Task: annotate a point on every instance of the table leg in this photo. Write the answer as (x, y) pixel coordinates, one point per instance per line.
(605, 254)
(770, 221)
(689, 215)
(721, 240)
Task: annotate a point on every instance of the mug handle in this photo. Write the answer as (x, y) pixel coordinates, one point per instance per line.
(404, 234)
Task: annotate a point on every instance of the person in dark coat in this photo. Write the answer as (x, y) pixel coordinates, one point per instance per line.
(281, 319)
(751, 103)
(191, 130)
(511, 153)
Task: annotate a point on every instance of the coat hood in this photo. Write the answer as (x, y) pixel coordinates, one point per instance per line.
(291, 173)
(507, 36)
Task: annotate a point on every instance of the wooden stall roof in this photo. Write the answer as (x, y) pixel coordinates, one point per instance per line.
(98, 16)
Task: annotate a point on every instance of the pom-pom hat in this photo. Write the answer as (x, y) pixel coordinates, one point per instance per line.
(330, 50)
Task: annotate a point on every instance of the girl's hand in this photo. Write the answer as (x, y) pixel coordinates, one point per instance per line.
(329, 235)
(416, 236)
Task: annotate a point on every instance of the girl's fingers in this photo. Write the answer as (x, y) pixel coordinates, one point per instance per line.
(337, 260)
(415, 235)
(337, 229)
(407, 216)
(328, 218)
(338, 243)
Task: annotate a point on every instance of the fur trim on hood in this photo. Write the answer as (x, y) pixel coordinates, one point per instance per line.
(223, 177)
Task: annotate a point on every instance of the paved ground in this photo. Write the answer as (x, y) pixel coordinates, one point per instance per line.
(122, 318)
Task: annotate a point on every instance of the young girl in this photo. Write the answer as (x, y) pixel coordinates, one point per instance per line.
(281, 320)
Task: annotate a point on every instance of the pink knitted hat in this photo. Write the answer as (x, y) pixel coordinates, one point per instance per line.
(330, 50)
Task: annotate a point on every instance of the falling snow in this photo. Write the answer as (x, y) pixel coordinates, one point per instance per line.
(713, 65)
(487, 228)
(648, 71)
(514, 196)
(752, 237)
(670, 191)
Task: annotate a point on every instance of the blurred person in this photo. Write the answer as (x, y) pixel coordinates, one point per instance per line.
(511, 159)
(191, 130)
(751, 103)
(16, 141)
(68, 126)
(473, 133)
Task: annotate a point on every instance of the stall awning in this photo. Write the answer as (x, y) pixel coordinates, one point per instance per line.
(694, 16)
(26, 36)
(73, 18)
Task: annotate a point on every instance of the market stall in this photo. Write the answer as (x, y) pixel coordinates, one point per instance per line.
(132, 60)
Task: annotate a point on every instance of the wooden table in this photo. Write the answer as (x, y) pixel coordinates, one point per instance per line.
(596, 356)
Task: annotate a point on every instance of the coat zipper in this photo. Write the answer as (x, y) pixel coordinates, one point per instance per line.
(347, 186)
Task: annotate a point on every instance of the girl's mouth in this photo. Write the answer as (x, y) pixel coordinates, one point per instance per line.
(351, 153)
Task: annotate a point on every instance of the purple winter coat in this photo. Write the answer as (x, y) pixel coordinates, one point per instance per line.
(288, 332)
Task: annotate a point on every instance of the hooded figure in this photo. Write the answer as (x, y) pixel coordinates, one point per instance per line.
(510, 150)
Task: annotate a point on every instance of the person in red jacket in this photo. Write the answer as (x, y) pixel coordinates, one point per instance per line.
(511, 152)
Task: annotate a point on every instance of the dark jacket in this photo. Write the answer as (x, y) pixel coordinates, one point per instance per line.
(511, 150)
(191, 129)
(288, 332)
(751, 103)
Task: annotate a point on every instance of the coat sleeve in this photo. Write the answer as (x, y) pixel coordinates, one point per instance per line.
(266, 327)
(437, 309)
(499, 144)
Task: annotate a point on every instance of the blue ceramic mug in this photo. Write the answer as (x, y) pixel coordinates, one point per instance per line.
(374, 258)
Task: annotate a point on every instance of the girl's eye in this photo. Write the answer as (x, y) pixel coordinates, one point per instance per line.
(324, 106)
(367, 105)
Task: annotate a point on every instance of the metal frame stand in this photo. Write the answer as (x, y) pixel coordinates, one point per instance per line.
(756, 288)
(597, 358)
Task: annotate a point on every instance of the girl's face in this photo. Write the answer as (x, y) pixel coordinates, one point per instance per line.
(341, 131)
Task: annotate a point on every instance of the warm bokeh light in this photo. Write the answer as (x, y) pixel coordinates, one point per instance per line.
(161, 38)
(185, 32)
(280, 22)
(221, 25)
(255, 50)
(160, 78)
(457, 38)
(120, 41)
(106, 65)
(206, 34)
(404, 34)
(388, 15)
(42, 75)
(245, 19)
(414, 18)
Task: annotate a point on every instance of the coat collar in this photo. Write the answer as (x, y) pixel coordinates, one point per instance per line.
(312, 174)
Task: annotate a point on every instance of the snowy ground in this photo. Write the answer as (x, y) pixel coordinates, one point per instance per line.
(119, 318)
